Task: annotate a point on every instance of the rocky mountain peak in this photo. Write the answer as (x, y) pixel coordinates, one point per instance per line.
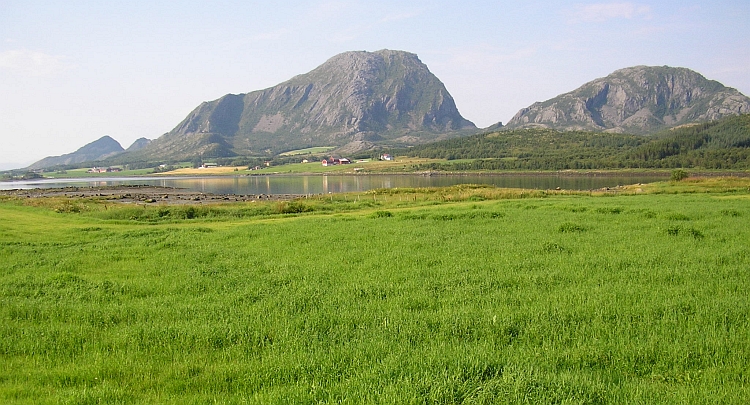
(639, 99)
(357, 98)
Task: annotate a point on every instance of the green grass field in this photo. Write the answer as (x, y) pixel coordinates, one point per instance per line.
(308, 151)
(83, 173)
(460, 295)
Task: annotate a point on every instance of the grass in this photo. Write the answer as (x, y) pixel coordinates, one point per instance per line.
(308, 151)
(459, 295)
(371, 166)
(83, 173)
(207, 171)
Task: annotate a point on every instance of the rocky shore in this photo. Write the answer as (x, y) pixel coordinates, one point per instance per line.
(143, 194)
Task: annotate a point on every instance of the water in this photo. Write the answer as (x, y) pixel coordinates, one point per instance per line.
(291, 184)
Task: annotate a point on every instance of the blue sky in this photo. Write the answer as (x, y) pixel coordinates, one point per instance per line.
(73, 71)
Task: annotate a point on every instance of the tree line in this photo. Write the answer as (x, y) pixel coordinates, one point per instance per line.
(723, 144)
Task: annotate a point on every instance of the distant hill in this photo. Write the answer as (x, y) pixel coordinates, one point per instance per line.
(355, 100)
(358, 101)
(139, 144)
(638, 100)
(721, 144)
(100, 149)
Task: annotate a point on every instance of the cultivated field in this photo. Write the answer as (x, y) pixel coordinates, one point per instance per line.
(459, 295)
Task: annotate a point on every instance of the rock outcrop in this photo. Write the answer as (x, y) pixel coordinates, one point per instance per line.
(354, 99)
(637, 100)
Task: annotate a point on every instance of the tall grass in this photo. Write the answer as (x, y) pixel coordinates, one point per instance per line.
(561, 299)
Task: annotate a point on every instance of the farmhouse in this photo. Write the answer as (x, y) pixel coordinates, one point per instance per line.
(335, 161)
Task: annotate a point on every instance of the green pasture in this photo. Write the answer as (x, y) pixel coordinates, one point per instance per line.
(308, 151)
(83, 173)
(441, 296)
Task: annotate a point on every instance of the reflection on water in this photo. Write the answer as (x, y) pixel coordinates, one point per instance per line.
(253, 185)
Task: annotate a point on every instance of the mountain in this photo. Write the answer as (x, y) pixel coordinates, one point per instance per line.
(355, 99)
(100, 149)
(638, 100)
(139, 144)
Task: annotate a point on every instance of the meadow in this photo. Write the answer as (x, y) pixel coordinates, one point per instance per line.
(465, 295)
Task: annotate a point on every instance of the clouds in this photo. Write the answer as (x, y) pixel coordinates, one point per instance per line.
(32, 63)
(601, 12)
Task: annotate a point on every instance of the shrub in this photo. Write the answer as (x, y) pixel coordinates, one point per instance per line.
(678, 174)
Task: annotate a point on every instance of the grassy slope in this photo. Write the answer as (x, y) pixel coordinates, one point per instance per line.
(568, 298)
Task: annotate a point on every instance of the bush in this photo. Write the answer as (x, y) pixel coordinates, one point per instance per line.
(678, 175)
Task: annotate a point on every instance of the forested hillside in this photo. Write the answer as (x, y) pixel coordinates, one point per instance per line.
(723, 144)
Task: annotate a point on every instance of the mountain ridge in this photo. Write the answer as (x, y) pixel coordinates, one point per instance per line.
(354, 98)
(638, 99)
(97, 150)
(360, 100)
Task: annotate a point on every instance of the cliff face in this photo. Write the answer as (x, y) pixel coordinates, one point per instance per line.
(355, 98)
(638, 100)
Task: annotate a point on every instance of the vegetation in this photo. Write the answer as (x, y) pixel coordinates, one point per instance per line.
(460, 295)
(308, 151)
(723, 144)
(83, 173)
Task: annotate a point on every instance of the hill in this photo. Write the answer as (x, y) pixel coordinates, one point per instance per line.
(139, 143)
(639, 100)
(721, 144)
(100, 149)
(355, 99)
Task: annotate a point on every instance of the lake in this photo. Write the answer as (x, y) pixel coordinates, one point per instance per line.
(317, 184)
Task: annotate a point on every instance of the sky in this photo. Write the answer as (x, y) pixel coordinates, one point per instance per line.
(74, 71)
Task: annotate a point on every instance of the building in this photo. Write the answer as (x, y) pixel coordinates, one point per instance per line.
(335, 161)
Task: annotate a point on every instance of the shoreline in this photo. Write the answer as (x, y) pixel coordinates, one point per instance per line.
(143, 194)
(560, 173)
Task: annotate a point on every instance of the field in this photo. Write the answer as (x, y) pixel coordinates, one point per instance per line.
(83, 173)
(461, 295)
(402, 164)
(308, 151)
